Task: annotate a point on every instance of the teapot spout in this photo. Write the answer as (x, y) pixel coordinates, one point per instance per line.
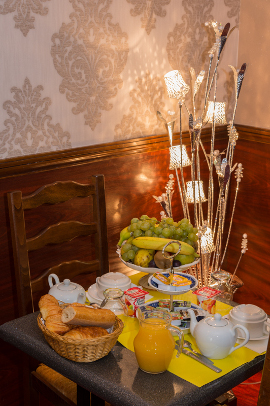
(193, 320)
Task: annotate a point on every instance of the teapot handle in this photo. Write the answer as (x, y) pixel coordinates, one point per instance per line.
(180, 334)
(245, 340)
(53, 276)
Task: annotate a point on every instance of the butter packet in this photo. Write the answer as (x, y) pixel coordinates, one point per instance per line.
(165, 303)
(178, 304)
(179, 280)
(159, 278)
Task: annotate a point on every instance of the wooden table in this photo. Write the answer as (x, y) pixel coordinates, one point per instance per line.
(116, 378)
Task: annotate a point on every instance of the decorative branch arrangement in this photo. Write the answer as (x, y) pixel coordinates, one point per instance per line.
(210, 221)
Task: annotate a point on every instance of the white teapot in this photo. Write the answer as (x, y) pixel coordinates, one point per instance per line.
(216, 336)
(66, 291)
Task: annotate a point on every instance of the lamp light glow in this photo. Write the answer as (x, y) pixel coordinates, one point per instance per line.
(219, 115)
(175, 157)
(207, 242)
(175, 84)
(199, 193)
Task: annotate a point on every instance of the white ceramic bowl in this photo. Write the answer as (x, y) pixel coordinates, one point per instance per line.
(153, 270)
(112, 280)
(252, 317)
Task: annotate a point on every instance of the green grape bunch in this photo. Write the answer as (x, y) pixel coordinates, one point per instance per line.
(182, 230)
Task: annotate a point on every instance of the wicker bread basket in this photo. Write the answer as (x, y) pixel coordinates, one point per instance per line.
(82, 350)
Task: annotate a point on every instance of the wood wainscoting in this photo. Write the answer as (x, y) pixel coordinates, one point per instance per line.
(134, 170)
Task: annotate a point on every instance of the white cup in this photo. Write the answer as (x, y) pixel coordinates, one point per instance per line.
(112, 280)
(253, 318)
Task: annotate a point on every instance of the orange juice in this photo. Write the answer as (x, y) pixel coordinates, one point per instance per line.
(154, 346)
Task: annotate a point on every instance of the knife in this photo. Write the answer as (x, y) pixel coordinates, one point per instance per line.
(191, 355)
(203, 357)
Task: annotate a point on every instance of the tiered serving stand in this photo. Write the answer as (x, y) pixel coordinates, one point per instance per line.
(147, 280)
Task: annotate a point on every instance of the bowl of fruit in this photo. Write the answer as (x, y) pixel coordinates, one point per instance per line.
(141, 243)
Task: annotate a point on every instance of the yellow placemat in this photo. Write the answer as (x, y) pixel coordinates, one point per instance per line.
(184, 366)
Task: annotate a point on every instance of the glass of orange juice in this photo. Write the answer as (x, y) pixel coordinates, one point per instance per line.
(154, 343)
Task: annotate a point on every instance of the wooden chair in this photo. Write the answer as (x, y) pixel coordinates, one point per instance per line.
(59, 233)
(264, 394)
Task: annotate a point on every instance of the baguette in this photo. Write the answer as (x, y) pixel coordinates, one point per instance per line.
(80, 333)
(86, 316)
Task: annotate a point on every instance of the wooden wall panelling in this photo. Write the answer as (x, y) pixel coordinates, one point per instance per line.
(130, 181)
(135, 170)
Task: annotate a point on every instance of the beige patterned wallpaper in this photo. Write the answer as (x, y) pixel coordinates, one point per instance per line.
(83, 72)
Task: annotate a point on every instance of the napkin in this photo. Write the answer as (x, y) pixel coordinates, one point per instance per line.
(259, 346)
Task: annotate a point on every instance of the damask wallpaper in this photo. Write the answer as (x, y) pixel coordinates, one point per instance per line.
(83, 72)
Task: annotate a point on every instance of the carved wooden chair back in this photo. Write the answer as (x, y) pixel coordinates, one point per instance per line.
(59, 233)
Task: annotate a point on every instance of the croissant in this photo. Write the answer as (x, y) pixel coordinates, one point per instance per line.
(86, 332)
(54, 323)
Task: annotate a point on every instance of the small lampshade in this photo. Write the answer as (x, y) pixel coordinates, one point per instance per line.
(207, 242)
(175, 157)
(175, 84)
(219, 112)
(199, 193)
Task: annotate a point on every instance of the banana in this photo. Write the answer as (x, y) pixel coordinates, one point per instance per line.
(124, 235)
(156, 243)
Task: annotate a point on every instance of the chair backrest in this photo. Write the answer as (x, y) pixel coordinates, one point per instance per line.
(59, 233)
(264, 394)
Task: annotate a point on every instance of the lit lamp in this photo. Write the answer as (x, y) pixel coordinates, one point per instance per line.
(177, 89)
(175, 84)
(199, 193)
(207, 242)
(219, 112)
(178, 159)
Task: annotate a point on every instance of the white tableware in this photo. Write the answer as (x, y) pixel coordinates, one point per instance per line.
(153, 270)
(253, 318)
(180, 290)
(66, 291)
(216, 336)
(264, 337)
(112, 280)
(92, 295)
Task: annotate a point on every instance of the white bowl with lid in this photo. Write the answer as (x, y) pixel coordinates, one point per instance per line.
(112, 280)
(252, 317)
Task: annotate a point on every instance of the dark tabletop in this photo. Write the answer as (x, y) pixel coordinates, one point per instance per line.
(116, 377)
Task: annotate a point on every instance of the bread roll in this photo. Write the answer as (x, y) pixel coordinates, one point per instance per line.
(49, 306)
(86, 316)
(80, 333)
(54, 323)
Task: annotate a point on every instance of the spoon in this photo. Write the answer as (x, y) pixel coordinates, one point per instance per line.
(188, 345)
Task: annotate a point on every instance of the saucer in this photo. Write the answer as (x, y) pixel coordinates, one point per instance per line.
(92, 293)
(256, 339)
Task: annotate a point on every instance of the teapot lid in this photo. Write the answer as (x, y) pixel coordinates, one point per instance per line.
(248, 312)
(66, 285)
(216, 321)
